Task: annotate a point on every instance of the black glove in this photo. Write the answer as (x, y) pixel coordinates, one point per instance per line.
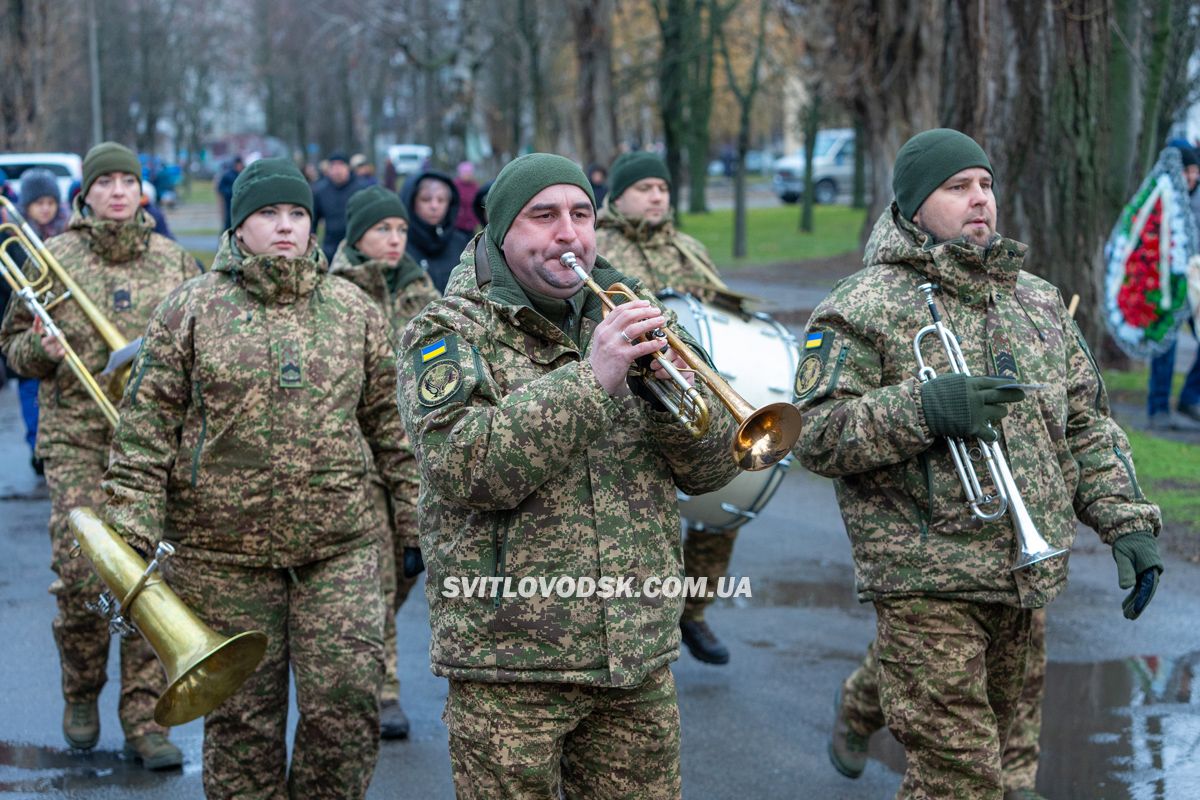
(964, 406)
(414, 565)
(1137, 557)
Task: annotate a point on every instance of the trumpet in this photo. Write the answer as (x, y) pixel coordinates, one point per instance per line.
(1007, 497)
(36, 290)
(764, 437)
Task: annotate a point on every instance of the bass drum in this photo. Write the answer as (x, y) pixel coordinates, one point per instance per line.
(758, 357)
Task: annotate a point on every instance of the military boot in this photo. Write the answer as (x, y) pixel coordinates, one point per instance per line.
(81, 724)
(847, 749)
(1022, 794)
(154, 750)
(393, 723)
(702, 643)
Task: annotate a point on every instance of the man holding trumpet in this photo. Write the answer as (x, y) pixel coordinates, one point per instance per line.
(538, 461)
(954, 588)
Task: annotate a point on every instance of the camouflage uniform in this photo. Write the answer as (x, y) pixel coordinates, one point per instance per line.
(661, 257)
(400, 292)
(916, 544)
(864, 714)
(262, 398)
(530, 469)
(126, 270)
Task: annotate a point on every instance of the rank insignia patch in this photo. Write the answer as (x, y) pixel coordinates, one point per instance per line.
(291, 370)
(122, 300)
(439, 382)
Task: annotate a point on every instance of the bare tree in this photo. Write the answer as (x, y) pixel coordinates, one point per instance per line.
(591, 22)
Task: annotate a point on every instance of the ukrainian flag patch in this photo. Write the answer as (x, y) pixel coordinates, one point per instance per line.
(814, 340)
(434, 350)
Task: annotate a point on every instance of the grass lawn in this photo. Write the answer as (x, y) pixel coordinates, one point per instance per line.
(205, 256)
(772, 234)
(1169, 471)
(201, 193)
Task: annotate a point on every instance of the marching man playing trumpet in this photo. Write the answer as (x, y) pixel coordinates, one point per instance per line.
(111, 251)
(953, 595)
(538, 461)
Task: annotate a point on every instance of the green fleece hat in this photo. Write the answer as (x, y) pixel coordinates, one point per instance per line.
(108, 157)
(927, 160)
(520, 180)
(367, 207)
(629, 168)
(266, 182)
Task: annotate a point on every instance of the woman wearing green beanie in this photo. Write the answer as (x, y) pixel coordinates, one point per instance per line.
(109, 249)
(372, 257)
(261, 403)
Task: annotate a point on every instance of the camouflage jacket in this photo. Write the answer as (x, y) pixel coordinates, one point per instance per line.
(262, 398)
(864, 426)
(126, 270)
(400, 291)
(529, 469)
(658, 256)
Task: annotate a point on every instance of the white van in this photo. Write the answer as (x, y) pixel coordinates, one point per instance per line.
(66, 167)
(409, 158)
(833, 168)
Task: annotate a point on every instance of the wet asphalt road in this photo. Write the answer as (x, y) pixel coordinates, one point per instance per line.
(1122, 715)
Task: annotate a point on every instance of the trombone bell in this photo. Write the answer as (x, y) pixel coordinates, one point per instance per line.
(203, 668)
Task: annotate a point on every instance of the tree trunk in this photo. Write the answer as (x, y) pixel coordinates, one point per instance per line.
(596, 121)
(699, 106)
(811, 122)
(674, 18)
(1124, 93)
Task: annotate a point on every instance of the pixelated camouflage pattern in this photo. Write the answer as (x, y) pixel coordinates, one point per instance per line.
(659, 256)
(393, 585)
(532, 469)
(262, 398)
(1019, 762)
(901, 500)
(413, 291)
(82, 635)
(126, 270)
(324, 621)
(705, 555)
(950, 675)
(529, 741)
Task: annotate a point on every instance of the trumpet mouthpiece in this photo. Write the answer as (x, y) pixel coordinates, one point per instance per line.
(568, 260)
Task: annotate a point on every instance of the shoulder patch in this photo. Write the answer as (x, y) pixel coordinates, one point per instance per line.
(817, 345)
(438, 382)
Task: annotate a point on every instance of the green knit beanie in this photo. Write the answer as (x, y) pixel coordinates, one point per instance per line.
(629, 168)
(266, 182)
(520, 180)
(927, 160)
(367, 207)
(108, 157)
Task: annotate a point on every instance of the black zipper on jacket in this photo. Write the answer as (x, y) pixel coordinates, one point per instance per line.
(499, 551)
(1137, 490)
(837, 371)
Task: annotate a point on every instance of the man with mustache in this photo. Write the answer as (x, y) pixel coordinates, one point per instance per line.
(954, 616)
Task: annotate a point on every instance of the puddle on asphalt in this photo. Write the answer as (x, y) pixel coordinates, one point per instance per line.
(1115, 730)
(835, 592)
(29, 769)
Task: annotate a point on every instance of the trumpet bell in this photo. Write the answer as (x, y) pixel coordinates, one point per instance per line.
(203, 668)
(765, 437)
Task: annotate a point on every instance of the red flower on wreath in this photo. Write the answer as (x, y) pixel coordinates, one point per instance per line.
(1141, 290)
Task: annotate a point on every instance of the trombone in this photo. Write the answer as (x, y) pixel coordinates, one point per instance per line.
(764, 436)
(1007, 497)
(36, 290)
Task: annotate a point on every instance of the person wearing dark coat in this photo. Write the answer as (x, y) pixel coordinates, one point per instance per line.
(433, 241)
(330, 196)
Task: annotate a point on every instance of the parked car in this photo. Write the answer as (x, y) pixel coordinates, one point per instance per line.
(66, 167)
(833, 168)
(409, 158)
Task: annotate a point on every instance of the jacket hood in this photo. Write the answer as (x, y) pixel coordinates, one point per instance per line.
(274, 280)
(959, 267)
(431, 239)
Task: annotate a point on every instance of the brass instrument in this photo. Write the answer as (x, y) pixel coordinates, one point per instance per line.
(985, 506)
(36, 290)
(203, 668)
(764, 436)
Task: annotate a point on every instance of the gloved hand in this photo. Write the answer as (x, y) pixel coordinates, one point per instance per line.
(414, 565)
(963, 407)
(1137, 558)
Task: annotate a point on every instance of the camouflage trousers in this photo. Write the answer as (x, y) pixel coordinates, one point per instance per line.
(324, 620)
(950, 679)
(528, 741)
(1019, 762)
(394, 587)
(705, 555)
(82, 635)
